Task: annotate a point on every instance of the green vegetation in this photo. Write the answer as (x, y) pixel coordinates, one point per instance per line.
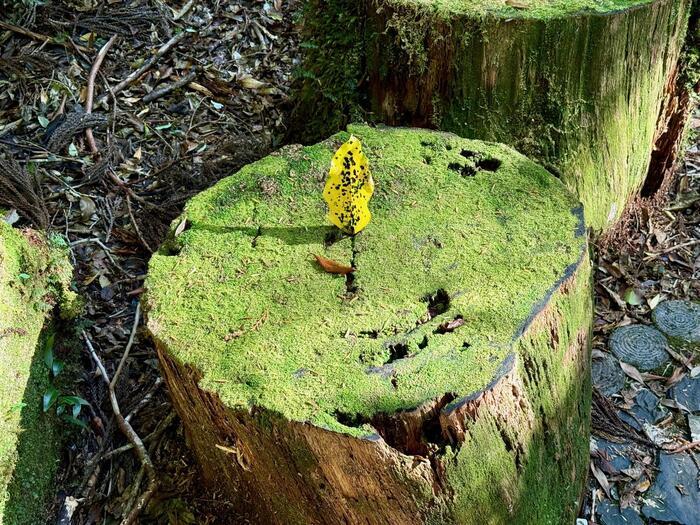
(461, 229)
(535, 9)
(34, 277)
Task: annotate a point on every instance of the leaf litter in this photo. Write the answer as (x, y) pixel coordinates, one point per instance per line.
(187, 93)
(651, 424)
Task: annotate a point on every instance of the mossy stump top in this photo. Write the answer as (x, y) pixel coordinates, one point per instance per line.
(533, 9)
(468, 240)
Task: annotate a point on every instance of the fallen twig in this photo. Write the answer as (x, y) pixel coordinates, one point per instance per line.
(182, 12)
(157, 93)
(683, 448)
(148, 64)
(37, 36)
(91, 89)
(162, 426)
(126, 428)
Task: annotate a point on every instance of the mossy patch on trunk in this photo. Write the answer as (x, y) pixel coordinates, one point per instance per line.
(34, 278)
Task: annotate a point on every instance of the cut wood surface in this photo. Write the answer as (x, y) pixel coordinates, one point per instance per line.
(445, 381)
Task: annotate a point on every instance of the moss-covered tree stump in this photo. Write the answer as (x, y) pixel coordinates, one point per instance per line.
(447, 381)
(34, 276)
(586, 87)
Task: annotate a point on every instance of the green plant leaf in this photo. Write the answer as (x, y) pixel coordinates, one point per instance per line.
(24, 276)
(50, 397)
(43, 121)
(73, 400)
(57, 367)
(48, 357)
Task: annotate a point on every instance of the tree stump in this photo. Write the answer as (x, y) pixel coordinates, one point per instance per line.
(34, 276)
(445, 381)
(585, 87)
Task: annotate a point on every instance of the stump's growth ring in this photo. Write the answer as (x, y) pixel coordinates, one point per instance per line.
(445, 381)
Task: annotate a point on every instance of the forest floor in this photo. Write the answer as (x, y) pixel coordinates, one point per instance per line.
(215, 99)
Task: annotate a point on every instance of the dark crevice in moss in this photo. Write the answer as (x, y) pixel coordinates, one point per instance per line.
(424, 343)
(349, 420)
(350, 287)
(254, 242)
(488, 164)
(465, 170)
(438, 303)
(396, 351)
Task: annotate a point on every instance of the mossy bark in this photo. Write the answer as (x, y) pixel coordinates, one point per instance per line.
(34, 278)
(357, 417)
(584, 93)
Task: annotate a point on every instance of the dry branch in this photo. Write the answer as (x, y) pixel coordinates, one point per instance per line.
(91, 89)
(36, 36)
(124, 425)
(146, 65)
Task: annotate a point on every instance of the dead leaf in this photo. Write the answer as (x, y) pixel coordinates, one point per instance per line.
(180, 227)
(632, 372)
(602, 480)
(331, 266)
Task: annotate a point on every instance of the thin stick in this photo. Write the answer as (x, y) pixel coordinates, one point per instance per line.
(91, 89)
(162, 426)
(148, 64)
(683, 448)
(129, 344)
(182, 12)
(146, 399)
(157, 93)
(36, 36)
(131, 435)
(136, 226)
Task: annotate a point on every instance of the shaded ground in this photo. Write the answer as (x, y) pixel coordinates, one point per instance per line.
(645, 451)
(234, 66)
(235, 61)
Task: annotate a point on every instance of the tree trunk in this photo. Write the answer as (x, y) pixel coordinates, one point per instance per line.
(579, 90)
(446, 382)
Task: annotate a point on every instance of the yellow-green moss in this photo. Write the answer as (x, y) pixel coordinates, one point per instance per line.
(34, 277)
(490, 487)
(535, 9)
(239, 296)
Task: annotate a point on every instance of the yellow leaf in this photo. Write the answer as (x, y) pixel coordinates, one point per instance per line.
(349, 187)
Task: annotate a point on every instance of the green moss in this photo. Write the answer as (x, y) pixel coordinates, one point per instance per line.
(34, 276)
(536, 9)
(245, 303)
(490, 486)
